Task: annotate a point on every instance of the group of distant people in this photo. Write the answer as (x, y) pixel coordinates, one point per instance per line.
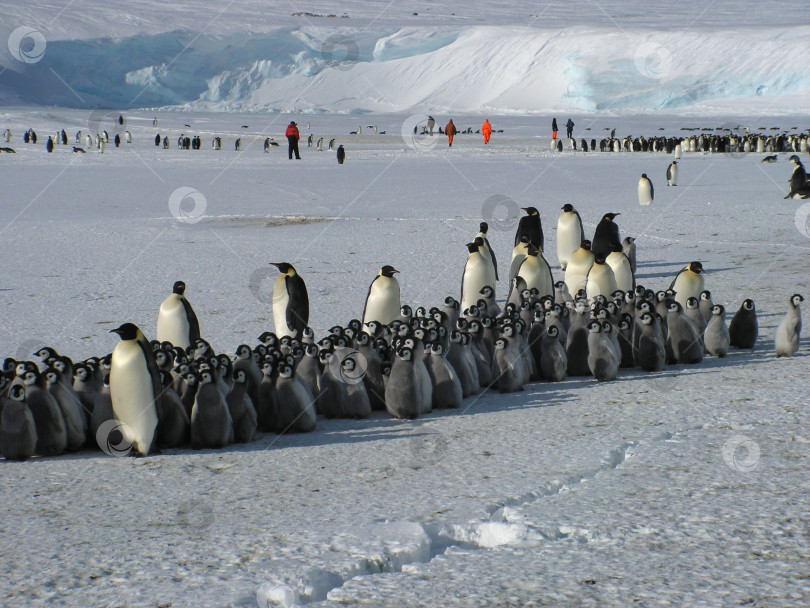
(569, 127)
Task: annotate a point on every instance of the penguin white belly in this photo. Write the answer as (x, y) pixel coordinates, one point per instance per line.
(518, 255)
(172, 324)
(132, 395)
(383, 301)
(672, 178)
(687, 285)
(475, 278)
(569, 237)
(576, 274)
(644, 192)
(537, 274)
(677, 151)
(601, 281)
(622, 272)
(280, 301)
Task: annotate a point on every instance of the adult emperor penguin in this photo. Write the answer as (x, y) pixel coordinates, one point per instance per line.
(744, 328)
(135, 387)
(622, 270)
(475, 278)
(790, 329)
(601, 280)
(290, 302)
(672, 174)
(536, 272)
(530, 226)
(646, 192)
(177, 323)
(579, 265)
(341, 155)
(688, 283)
(570, 234)
(606, 236)
(383, 299)
(798, 180)
(483, 228)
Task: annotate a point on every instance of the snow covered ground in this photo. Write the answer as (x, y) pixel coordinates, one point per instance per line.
(687, 487)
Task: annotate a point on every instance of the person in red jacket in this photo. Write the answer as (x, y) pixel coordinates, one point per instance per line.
(451, 131)
(486, 130)
(292, 139)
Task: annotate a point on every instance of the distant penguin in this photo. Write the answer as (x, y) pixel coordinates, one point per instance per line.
(744, 328)
(716, 335)
(672, 174)
(135, 387)
(570, 234)
(790, 329)
(319, 146)
(117, 140)
(646, 192)
(402, 395)
(629, 249)
(211, 423)
(177, 322)
(341, 155)
(606, 236)
(475, 277)
(678, 150)
(238, 144)
(531, 226)
(18, 432)
(331, 145)
(49, 145)
(579, 265)
(290, 302)
(688, 283)
(383, 298)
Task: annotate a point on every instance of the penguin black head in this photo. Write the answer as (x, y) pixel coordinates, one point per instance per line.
(609, 216)
(586, 245)
(127, 331)
(283, 267)
(530, 211)
(388, 271)
(179, 288)
(568, 208)
(483, 227)
(796, 298)
(748, 304)
(696, 267)
(644, 175)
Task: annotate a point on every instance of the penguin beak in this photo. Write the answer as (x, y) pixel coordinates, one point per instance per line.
(116, 331)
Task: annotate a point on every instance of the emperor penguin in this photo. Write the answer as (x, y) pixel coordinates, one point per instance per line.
(678, 150)
(646, 192)
(798, 180)
(650, 351)
(553, 360)
(744, 328)
(603, 360)
(483, 228)
(622, 269)
(519, 254)
(683, 339)
(402, 395)
(790, 329)
(569, 234)
(296, 404)
(536, 272)
(606, 236)
(579, 265)
(715, 336)
(290, 302)
(341, 155)
(50, 425)
(475, 278)
(177, 323)
(672, 174)
(18, 432)
(447, 391)
(601, 280)
(688, 283)
(383, 299)
(211, 422)
(135, 387)
(530, 226)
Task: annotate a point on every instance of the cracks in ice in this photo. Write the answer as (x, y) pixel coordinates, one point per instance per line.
(397, 545)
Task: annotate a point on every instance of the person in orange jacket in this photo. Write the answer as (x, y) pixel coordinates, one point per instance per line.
(486, 130)
(451, 131)
(292, 140)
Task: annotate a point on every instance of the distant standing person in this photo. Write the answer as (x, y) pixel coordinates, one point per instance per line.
(553, 128)
(570, 128)
(292, 139)
(486, 130)
(430, 124)
(451, 131)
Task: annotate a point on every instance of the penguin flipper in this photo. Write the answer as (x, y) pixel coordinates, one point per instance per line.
(581, 229)
(298, 306)
(193, 323)
(652, 190)
(494, 261)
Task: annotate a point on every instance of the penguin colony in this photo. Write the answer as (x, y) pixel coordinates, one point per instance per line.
(175, 391)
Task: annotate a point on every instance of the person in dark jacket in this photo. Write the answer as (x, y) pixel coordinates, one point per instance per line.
(553, 128)
(292, 139)
(570, 128)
